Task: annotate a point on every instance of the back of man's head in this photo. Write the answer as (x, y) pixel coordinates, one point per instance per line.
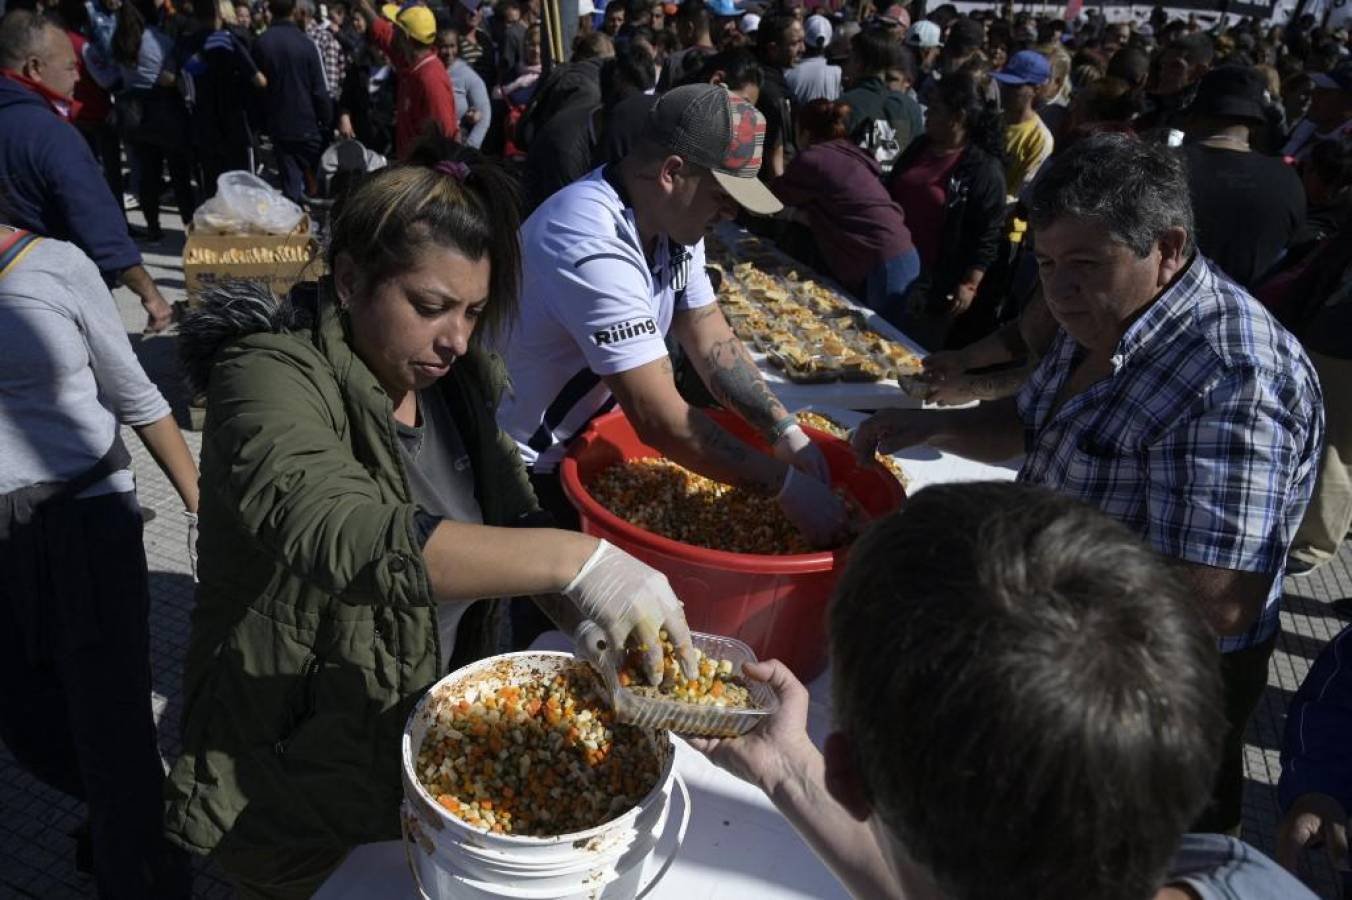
(1032, 699)
(630, 71)
(22, 35)
(874, 52)
(735, 69)
(693, 20)
(281, 9)
(965, 35)
(1197, 49)
(593, 45)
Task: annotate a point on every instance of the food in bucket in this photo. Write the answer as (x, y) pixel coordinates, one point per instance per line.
(716, 685)
(538, 759)
(835, 429)
(667, 499)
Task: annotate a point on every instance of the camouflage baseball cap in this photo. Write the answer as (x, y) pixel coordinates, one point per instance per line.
(710, 127)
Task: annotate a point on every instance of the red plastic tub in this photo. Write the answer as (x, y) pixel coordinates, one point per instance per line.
(776, 604)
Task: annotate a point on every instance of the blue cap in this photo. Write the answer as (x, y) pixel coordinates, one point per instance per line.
(1025, 67)
(724, 9)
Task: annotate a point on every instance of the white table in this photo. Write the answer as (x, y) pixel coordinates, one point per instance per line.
(925, 465)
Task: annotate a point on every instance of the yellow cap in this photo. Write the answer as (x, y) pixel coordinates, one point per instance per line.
(418, 23)
(390, 11)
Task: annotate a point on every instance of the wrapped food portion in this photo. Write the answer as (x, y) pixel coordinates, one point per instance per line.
(539, 758)
(807, 330)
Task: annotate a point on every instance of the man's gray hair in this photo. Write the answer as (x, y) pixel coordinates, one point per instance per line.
(1136, 189)
(22, 33)
(307, 7)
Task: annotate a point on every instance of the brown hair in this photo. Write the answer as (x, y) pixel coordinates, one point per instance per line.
(1049, 653)
(825, 120)
(467, 203)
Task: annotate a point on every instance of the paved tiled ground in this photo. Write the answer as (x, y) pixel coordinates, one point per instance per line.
(35, 851)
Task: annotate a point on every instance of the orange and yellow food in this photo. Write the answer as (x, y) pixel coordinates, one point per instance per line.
(667, 499)
(715, 685)
(539, 759)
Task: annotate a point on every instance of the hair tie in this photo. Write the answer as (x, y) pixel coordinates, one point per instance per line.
(454, 168)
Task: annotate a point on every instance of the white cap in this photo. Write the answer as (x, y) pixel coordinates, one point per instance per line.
(817, 31)
(925, 35)
(748, 23)
(585, 8)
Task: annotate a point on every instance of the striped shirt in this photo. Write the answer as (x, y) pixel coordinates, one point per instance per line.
(1204, 439)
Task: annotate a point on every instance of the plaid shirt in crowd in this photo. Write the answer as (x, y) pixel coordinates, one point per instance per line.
(1205, 438)
(331, 55)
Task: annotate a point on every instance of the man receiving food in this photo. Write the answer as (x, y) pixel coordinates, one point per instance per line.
(1169, 399)
(615, 262)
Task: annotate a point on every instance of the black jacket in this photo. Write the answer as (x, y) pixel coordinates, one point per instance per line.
(297, 105)
(974, 208)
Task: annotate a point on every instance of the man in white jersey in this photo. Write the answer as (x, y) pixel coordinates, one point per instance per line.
(614, 262)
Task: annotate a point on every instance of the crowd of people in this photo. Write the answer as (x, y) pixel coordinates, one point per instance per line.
(1131, 241)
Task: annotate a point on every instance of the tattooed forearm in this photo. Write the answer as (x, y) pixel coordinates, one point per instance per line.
(735, 382)
(729, 454)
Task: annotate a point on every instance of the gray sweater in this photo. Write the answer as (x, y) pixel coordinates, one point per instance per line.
(68, 375)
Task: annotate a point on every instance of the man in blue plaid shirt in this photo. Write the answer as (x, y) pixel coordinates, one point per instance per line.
(1170, 400)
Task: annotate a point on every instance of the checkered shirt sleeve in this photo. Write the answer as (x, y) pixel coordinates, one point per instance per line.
(1204, 441)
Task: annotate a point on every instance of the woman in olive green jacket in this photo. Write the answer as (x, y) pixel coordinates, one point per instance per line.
(357, 498)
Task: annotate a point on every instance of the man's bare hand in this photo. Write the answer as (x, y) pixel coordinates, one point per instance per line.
(764, 756)
(891, 430)
(944, 365)
(158, 313)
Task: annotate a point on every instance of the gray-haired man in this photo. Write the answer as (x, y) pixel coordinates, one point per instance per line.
(1169, 399)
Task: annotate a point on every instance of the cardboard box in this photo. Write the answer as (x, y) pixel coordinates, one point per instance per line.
(279, 275)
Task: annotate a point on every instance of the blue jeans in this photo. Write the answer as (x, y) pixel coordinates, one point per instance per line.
(885, 289)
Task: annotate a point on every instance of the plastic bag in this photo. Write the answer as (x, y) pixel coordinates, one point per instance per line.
(244, 204)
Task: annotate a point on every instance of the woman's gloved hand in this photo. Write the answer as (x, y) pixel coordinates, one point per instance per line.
(624, 601)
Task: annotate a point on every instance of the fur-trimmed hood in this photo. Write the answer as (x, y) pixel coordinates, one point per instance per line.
(230, 311)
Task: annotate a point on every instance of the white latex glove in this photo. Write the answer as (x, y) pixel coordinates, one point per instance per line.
(813, 508)
(795, 448)
(624, 601)
(192, 542)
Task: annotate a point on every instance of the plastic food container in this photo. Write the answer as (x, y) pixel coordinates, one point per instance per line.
(690, 718)
(776, 605)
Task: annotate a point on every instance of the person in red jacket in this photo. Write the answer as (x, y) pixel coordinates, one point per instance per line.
(424, 92)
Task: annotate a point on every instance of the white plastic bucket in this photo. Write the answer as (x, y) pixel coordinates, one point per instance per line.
(453, 860)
